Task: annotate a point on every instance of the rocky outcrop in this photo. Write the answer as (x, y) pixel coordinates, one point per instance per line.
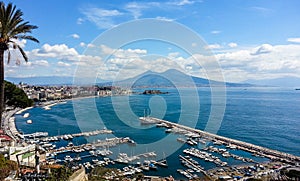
(154, 92)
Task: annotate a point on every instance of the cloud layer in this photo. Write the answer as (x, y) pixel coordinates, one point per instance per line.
(261, 62)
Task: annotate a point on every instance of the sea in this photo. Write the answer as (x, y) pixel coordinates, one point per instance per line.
(265, 116)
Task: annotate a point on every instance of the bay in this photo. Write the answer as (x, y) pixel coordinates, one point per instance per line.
(267, 117)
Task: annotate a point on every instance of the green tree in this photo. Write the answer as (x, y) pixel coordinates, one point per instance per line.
(6, 166)
(60, 174)
(16, 97)
(12, 28)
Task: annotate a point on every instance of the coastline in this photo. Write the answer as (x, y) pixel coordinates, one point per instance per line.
(9, 124)
(25, 109)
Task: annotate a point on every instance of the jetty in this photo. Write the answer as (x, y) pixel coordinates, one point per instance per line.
(71, 136)
(109, 142)
(255, 149)
(197, 167)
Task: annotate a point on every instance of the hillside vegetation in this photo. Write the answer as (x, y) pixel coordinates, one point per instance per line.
(16, 97)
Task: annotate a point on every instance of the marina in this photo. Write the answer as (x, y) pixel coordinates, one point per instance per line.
(43, 136)
(120, 148)
(254, 149)
(91, 155)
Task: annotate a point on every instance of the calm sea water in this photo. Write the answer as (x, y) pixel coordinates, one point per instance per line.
(268, 117)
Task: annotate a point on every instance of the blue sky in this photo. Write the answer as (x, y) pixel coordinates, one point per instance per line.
(250, 39)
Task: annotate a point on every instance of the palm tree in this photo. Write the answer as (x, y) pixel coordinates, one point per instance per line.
(12, 28)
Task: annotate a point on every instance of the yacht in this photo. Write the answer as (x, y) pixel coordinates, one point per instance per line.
(26, 115)
(68, 158)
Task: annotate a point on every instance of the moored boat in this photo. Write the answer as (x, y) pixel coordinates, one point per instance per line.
(26, 115)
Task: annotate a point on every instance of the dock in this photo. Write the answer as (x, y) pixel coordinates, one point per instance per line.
(192, 164)
(110, 142)
(70, 136)
(255, 149)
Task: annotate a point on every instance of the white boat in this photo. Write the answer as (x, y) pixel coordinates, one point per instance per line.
(29, 121)
(26, 115)
(47, 108)
(181, 140)
(68, 158)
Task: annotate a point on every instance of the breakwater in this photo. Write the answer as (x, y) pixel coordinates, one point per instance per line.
(255, 149)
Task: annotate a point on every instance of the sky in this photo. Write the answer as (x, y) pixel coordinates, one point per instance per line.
(245, 39)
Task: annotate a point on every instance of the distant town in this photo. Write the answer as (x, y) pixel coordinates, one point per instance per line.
(48, 93)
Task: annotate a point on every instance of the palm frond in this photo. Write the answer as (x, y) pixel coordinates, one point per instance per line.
(22, 29)
(23, 53)
(27, 37)
(8, 57)
(13, 26)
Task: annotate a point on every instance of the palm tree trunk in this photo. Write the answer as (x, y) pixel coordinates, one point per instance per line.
(1, 85)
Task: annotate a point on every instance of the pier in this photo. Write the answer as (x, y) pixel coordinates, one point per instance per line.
(255, 149)
(197, 167)
(91, 146)
(70, 136)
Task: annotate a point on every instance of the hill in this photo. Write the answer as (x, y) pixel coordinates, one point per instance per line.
(172, 78)
(169, 78)
(278, 82)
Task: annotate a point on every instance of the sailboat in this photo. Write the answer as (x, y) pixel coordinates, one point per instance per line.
(147, 120)
(163, 163)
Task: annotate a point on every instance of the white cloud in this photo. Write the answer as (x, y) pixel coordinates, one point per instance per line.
(213, 46)
(183, 2)
(63, 64)
(137, 51)
(294, 40)
(261, 10)
(164, 18)
(89, 45)
(82, 44)
(122, 53)
(75, 36)
(264, 48)
(41, 63)
(215, 32)
(135, 9)
(173, 55)
(80, 21)
(103, 18)
(232, 45)
(19, 42)
(59, 51)
(267, 60)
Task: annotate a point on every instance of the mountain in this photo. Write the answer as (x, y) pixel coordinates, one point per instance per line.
(171, 78)
(278, 82)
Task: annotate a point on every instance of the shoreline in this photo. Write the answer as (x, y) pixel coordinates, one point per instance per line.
(9, 124)
(9, 121)
(25, 109)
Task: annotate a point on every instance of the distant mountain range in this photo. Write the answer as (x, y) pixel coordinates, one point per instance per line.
(278, 82)
(169, 78)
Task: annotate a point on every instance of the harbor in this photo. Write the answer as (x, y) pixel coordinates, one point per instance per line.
(213, 149)
(254, 149)
(200, 154)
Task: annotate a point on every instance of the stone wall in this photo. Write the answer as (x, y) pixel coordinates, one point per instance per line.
(79, 175)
